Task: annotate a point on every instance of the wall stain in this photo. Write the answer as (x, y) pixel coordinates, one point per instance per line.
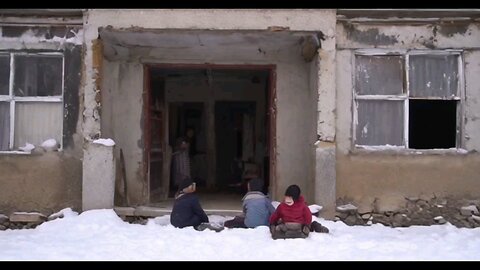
(370, 36)
(450, 29)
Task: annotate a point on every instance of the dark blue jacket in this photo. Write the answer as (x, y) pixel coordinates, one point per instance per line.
(187, 211)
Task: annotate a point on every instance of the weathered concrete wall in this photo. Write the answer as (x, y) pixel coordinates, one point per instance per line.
(295, 97)
(447, 35)
(98, 177)
(472, 101)
(122, 120)
(386, 177)
(322, 76)
(44, 183)
(47, 182)
(325, 184)
(221, 19)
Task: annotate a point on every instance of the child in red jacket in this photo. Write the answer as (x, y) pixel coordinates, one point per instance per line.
(292, 218)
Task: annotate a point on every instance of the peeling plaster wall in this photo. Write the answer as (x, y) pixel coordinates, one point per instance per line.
(472, 101)
(400, 36)
(122, 120)
(43, 183)
(47, 181)
(220, 19)
(386, 177)
(295, 97)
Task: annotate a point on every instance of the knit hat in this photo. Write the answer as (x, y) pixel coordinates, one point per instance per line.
(256, 184)
(186, 182)
(293, 191)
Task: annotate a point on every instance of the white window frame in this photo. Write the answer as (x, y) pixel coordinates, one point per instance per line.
(405, 97)
(12, 99)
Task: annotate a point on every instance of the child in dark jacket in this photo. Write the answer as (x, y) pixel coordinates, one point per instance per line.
(292, 218)
(257, 207)
(187, 210)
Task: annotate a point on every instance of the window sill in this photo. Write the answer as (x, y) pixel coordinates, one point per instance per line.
(389, 150)
(14, 153)
(21, 153)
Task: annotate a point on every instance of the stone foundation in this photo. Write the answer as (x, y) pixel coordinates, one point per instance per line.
(416, 211)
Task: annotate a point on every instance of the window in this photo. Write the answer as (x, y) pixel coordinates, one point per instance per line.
(31, 99)
(407, 100)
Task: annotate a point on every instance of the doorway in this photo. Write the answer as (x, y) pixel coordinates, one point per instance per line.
(231, 112)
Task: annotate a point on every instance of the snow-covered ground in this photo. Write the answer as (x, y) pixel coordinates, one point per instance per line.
(102, 235)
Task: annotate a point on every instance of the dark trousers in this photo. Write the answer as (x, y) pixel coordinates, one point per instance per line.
(236, 222)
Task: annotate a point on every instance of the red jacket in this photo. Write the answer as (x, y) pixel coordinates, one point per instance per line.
(297, 212)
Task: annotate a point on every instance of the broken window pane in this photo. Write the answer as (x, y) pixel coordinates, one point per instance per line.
(38, 75)
(4, 74)
(35, 122)
(432, 124)
(433, 75)
(380, 122)
(4, 125)
(379, 75)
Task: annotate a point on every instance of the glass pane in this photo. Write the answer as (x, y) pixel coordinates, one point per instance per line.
(4, 125)
(433, 75)
(37, 122)
(380, 122)
(379, 75)
(38, 75)
(4, 74)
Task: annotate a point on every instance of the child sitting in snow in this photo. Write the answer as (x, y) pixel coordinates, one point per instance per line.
(293, 218)
(257, 207)
(187, 210)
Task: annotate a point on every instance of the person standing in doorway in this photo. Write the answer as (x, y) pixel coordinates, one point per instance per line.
(180, 162)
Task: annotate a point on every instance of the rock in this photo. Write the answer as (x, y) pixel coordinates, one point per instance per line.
(476, 218)
(412, 199)
(469, 210)
(379, 218)
(3, 218)
(55, 216)
(27, 217)
(472, 221)
(426, 197)
(342, 215)
(423, 204)
(366, 216)
(124, 211)
(439, 202)
(347, 208)
(350, 220)
(2, 228)
(400, 220)
(440, 220)
(467, 224)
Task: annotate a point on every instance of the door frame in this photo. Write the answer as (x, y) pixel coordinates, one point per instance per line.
(271, 113)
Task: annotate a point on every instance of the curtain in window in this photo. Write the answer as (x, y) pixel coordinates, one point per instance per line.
(36, 122)
(4, 125)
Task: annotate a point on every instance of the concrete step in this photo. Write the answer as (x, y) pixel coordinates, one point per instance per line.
(148, 211)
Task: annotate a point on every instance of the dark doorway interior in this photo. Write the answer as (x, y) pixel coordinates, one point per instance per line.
(226, 107)
(235, 142)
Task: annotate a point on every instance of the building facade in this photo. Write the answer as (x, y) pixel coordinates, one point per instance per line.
(352, 105)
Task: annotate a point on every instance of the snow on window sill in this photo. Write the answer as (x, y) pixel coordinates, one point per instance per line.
(14, 153)
(389, 149)
(25, 153)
